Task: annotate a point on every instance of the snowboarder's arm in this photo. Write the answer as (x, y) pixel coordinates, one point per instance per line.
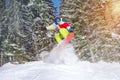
(51, 27)
(69, 29)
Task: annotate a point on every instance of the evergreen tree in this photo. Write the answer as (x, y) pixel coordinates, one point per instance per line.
(93, 39)
(10, 27)
(21, 24)
(42, 12)
(2, 4)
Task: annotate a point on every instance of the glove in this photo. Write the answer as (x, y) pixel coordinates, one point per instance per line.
(70, 30)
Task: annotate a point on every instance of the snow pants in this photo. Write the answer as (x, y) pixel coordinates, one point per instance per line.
(61, 35)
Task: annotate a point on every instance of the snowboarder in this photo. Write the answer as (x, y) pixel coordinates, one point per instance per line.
(61, 27)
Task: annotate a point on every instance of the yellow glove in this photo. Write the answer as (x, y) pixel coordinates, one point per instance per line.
(51, 27)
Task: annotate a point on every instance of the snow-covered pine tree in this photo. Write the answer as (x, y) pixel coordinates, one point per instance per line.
(21, 24)
(2, 5)
(42, 12)
(93, 41)
(10, 28)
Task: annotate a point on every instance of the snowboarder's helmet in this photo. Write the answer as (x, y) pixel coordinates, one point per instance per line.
(57, 19)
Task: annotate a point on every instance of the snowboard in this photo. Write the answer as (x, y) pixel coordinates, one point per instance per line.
(68, 38)
(65, 41)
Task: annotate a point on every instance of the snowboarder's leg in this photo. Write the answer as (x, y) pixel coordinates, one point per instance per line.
(57, 37)
(64, 32)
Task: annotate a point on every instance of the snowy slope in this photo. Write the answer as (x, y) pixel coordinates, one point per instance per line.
(61, 67)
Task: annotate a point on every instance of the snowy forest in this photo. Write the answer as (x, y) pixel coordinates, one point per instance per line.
(94, 22)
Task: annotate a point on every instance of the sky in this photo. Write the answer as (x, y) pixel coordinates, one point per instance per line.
(57, 4)
(7, 1)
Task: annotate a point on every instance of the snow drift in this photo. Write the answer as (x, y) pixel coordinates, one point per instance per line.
(61, 65)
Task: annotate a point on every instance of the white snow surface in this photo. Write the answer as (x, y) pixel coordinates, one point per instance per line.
(60, 64)
(114, 35)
